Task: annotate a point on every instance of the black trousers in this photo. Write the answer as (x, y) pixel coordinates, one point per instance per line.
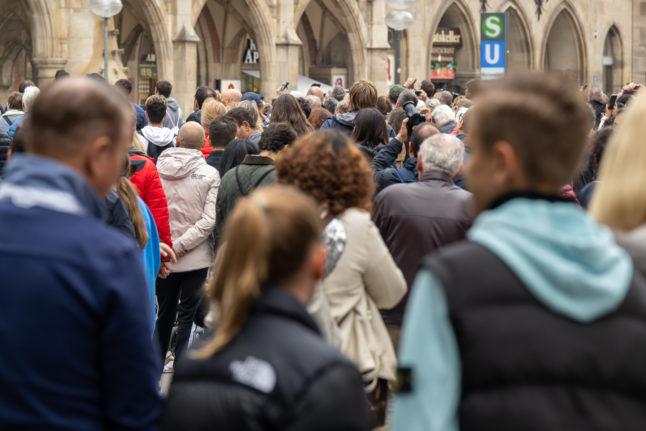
(185, 287)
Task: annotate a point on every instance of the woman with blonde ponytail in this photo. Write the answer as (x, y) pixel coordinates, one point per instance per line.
(267, 366)
(619, 199)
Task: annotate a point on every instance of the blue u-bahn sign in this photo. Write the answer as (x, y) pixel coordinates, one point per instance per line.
(493, 44)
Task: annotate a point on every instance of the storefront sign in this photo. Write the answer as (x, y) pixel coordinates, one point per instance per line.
(443, 71)
(447, 37)
(251, 55)
(230, 84)
(445, 42)
(338, 80)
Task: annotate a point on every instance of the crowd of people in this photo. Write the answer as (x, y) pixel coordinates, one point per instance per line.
(419, 260)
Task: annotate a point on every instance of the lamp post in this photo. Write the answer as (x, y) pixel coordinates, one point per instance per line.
(399, 20)
(105, 9)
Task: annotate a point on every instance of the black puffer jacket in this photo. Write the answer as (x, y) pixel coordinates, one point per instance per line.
(5, 145)
(277, 374)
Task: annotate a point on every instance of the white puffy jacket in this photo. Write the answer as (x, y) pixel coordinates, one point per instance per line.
(191, 188)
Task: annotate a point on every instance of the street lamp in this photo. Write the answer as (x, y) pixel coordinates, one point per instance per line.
(105, 9)
(399, 20)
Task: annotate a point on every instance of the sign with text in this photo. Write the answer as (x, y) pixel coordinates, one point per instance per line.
(445, 43)
(251, 55)
(447, 37)
(494, 39)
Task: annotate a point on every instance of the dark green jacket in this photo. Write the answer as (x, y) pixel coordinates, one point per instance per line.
(254, 171)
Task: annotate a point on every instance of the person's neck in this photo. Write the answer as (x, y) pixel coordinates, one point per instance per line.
(158, 125)
(545, 194)
(219, 148)
(269, 154)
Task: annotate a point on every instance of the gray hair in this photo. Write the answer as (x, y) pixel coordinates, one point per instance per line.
(443, 152)
(29, 96)
(330, 104)
(314, 101)
(338, 93)
(252, 107)
(442, 115)
(342, 107)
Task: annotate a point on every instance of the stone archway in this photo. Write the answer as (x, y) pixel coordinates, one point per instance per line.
(348, 17)
(256, 21)
(151, 20)
(564, 50)
(520, 51)
(613, 61)
(27, 43)
(455, 14)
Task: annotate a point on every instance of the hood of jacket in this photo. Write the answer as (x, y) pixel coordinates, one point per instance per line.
(347, 118)
(567, 262)
(160, 136)
(447, 128)
(33, 181)
(173, 107)
(178, 163)
(411, 165)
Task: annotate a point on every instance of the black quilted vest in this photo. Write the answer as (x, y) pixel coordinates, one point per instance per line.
(525, 367)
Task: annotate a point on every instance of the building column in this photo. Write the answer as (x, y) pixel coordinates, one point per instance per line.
(288, 48)
(378, 46)
(185, 68)
(45, 69)
(287, 58)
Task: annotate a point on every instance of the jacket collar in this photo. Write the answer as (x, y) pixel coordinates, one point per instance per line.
(252, 159)
(526, 195)
(274, 300)
(436, 175)
(33, 181)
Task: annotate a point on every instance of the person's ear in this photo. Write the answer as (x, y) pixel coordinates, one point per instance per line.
(410, 150)
(420, 167)
(506, 163)
(317, 262)
(146, 114)
(98, 164)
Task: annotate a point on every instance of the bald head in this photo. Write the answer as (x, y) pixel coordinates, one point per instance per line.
(83, 124)
(315, 91)
(191, 135)
(231, 96)
(72, 112)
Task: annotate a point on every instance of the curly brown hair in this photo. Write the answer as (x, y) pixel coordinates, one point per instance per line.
(330, 168)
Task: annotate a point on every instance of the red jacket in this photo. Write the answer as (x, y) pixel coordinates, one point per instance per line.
(207, 148)
(151, 192)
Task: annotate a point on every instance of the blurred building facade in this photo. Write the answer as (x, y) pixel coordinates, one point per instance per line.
(258, 44)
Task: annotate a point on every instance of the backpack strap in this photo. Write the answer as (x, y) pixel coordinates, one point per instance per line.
(8, 120)
(255, 186)
(262, 178)
(240, 189)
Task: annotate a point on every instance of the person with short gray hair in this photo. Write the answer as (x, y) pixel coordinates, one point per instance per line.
(442, 152)
(443, 118)
(417, 218)
(337, 93)
(28, 97)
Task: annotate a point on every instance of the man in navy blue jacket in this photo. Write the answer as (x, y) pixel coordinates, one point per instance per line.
(76, 349)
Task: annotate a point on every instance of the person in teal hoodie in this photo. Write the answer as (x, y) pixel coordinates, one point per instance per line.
(537, 320)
